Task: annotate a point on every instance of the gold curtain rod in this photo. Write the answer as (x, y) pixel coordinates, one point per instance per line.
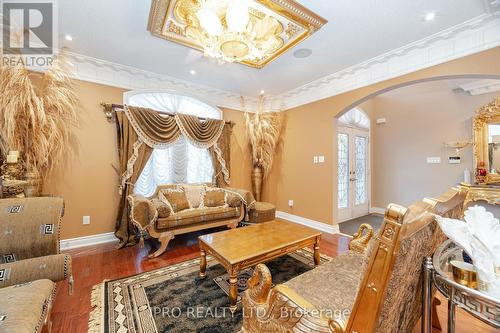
(110, 108)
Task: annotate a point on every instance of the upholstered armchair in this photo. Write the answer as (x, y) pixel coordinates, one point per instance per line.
(30, 262)
(375, 287)
(29, 241)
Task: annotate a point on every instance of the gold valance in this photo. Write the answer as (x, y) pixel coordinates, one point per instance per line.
(154, 129)
(203, 134)
(158, 130)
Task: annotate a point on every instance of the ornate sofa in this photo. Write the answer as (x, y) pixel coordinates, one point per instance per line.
(151, 214)
(375, 287)
(30, 262)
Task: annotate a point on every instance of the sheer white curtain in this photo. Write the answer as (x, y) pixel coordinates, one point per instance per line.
(355, 117)
(182, 162)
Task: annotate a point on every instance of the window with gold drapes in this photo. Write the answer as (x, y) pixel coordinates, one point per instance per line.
(180, 162)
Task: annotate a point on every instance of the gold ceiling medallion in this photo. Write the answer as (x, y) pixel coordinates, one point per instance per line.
(251, 32)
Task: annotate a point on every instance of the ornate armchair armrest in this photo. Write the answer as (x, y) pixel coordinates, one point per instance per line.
(162, 208)
(57, 267)
(281, 309)
(143, 212)
(246, 196)
(360, 240)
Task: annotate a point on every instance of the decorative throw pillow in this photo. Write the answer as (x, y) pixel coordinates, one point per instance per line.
(194, 193)
(214, 197)
(175, 198)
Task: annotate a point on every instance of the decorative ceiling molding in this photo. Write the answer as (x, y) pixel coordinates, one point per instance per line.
(491, 6)
(479, 87)
(113, 74)
(476, 35)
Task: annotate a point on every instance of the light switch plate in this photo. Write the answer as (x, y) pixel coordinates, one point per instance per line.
(315, 159)
(86, 219)
(290, 203)
(433, 160)
(321, 159)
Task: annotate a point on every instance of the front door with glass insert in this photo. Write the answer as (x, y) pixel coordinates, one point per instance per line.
(353, 172)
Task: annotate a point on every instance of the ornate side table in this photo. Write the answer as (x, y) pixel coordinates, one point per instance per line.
(437, 272)
(489, 193)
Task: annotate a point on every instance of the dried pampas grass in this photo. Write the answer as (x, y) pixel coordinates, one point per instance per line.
(37, 119)
(263, 130)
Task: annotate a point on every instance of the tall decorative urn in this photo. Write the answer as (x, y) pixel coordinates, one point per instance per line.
(257, 178)
(263, 130)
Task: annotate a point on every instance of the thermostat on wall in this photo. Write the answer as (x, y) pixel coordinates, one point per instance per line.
(454, 159)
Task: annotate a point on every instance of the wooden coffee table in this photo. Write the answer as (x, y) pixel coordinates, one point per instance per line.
(245, 247)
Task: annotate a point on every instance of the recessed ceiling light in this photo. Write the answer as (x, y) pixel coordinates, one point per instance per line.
(192, 72)
(262, 92)
(302, 53)
(68, 37)
(430, 16)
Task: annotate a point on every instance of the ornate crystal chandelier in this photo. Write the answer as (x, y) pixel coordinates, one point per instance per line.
(229, 30)
(251, 32)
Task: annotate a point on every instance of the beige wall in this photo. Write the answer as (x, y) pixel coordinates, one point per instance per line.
(89, 184)
(420, 118)
(311, 131)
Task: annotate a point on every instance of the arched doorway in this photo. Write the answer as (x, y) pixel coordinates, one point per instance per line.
(353, 167)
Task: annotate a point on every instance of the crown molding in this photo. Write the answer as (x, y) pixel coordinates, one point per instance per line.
(472, 36)
(113, 74)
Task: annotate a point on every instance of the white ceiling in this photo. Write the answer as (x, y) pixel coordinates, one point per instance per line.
(115, 30)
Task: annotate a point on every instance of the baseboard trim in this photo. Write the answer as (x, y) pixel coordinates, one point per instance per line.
(377, 210)
(329, 229)
(73, 243)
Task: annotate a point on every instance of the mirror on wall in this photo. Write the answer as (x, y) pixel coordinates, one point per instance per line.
(494, 148)
(487, 143)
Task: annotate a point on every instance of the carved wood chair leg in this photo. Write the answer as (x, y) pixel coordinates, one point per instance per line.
(435, 319)
(164, 240)
(232, 225)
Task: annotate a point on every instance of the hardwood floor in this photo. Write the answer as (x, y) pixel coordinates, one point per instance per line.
(92, 265)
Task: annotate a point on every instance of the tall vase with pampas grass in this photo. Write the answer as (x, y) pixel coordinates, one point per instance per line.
(263, 130)
(36, 118)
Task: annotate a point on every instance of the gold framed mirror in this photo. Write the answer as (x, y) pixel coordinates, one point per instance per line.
(486, 126)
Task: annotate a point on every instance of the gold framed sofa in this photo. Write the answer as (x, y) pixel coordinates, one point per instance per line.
(30, 262)
(181, 208)
(375, 287)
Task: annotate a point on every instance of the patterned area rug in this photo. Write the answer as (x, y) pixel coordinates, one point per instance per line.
(174, 299)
